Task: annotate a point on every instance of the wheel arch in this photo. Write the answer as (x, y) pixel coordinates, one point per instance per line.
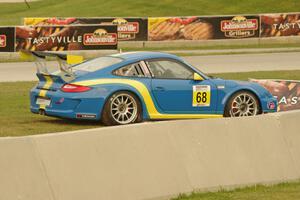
(135, 93)
(229, 96)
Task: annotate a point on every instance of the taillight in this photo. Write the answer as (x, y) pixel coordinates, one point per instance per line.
(74, 88)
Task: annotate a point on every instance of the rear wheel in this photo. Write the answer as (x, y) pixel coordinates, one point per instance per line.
(122, 108)
(242, 104)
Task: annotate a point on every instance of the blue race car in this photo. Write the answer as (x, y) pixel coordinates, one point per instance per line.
(131, 87)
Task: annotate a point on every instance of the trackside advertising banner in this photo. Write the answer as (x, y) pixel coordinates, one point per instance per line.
(7, 39)
(66, 37)
(129, 29)
(286, 91)
(276, 25)
(203, 28)
(190, 28)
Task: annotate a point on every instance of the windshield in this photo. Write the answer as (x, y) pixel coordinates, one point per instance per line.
(96, 64)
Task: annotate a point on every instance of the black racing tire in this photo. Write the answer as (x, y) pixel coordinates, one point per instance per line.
(242, 103)
(122, 108)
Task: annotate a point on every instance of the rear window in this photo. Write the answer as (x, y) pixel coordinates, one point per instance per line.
(133, 70)
(96, 64)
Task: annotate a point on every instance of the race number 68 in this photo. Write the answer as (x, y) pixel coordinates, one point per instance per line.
(201, 97)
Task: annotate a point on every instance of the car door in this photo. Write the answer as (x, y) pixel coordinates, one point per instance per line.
(175, 90)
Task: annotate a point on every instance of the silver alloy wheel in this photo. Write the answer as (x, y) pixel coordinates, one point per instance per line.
(124, 108)
(243, 104)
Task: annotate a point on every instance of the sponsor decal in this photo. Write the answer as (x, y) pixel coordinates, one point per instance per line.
(239, 27)
(100, 37)
(271, 105)
(60, 101)
(2, 40)
(86, 116)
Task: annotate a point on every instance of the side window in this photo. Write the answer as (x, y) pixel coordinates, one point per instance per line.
(132, 70)
(168, 69)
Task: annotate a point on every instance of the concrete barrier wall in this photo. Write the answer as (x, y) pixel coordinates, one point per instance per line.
(151, 160)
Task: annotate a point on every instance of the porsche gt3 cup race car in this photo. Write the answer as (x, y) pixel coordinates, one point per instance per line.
(131, 87)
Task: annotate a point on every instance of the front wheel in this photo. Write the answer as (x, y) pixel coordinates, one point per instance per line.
(242, 104)
(122, 108)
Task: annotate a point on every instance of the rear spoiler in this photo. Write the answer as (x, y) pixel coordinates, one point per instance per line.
(65, 62)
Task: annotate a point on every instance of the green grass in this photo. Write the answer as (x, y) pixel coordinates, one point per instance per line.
(283, 191)
(17, 120)
(11, 14)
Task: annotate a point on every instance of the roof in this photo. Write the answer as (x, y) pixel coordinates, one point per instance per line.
(142, 55)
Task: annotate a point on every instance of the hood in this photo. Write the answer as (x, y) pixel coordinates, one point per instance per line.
(252, 86)
(233, 83)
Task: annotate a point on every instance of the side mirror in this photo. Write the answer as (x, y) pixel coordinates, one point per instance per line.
(197, 77)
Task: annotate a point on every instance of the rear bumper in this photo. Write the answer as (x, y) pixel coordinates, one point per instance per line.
(85, 105)
(70, 114)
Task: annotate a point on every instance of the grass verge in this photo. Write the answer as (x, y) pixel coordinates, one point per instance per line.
(17, 120)
(283, 191)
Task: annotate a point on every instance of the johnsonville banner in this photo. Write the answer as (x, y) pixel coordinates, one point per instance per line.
(7, 39)
(286, 91)
(276, 25)
(66, 37)
(129, 28)
(203, 28)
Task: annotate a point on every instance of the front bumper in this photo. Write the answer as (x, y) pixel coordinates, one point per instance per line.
(269, 105)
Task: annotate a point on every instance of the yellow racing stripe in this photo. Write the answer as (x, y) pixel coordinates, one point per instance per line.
(43, 91)
(143, 90)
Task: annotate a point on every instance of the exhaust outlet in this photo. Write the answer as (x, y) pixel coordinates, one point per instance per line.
(42, 112)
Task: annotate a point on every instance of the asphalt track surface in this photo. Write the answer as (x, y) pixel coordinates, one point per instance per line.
(25, 71)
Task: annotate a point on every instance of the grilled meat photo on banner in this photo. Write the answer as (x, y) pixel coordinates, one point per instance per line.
(276, 25)
(286, 91)
(176, 28)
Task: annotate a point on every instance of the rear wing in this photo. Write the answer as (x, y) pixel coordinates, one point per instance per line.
(65, 63)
